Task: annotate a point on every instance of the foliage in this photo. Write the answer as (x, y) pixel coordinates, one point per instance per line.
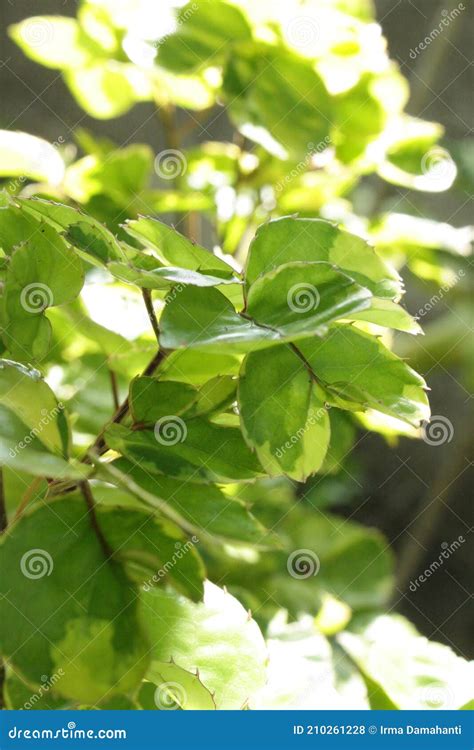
(207, 443)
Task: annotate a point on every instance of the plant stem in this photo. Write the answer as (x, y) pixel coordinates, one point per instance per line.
(146, 293)
(27, 496)
(115, 392)
(90, 502)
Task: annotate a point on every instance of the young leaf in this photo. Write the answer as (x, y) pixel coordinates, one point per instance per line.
(188, 633)
(384, 312)
(42, 272)
(298, 298)
(285, 240)
(282, 413)
(152, 550)
(66, 609)
(205, 507)
(173, 249)
(193, 450)
(358, 368)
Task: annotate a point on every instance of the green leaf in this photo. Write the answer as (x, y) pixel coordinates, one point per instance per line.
(108, 88)
(193, 450)
(282, 413)
(34, 432)
(188, 633)
(384, 312)
(268, 90)
(16, 226)
(42, 272)
(153, 550)
(200, 318)
(57, 42)
(215, 395)
(206, 508)
(191, 367)
(404, 668)
(297, 299)
(170, 687)
(357, 368)
(24, 392)
(66, 609)
(285, 240)
(20, 696)
(203, 34)
(151, 399)
(26, 156)
(173, 249)
(147, 273)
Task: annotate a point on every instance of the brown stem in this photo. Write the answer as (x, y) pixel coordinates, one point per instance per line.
(90, 502)
(115, 391)
(146, 294)
(27, 496)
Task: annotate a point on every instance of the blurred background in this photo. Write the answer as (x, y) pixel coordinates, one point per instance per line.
(419, 495)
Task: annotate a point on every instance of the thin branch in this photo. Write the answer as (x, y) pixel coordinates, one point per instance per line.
(90, 502)
(30, 490)
(146, 293)
(115, 391)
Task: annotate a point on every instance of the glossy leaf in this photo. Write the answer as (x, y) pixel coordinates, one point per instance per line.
(187, 634)
(193, 450)
(65, 607)
(284, 418)
(357, 369)
(286, 240)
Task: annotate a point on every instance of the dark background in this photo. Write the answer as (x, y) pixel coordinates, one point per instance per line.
(419, 495)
